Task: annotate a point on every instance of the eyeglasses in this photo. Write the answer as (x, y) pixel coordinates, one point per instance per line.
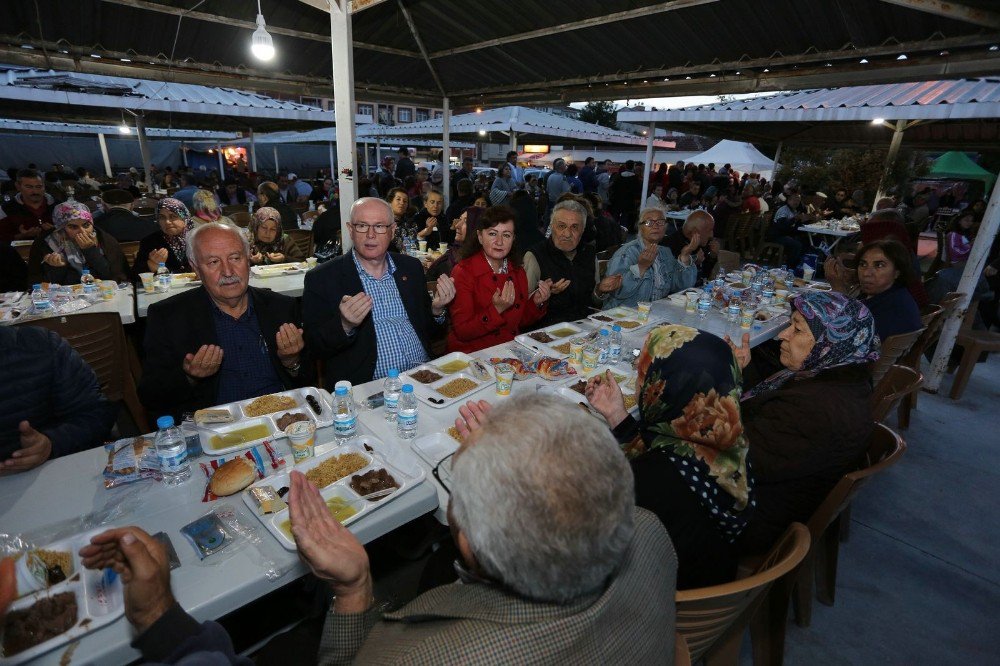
(363, 227)
(656, 222)
(442, 471)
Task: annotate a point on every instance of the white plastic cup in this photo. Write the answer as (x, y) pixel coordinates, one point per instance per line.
(505, 378)
(302, 440)
(442, 247)
(311, 262)
(147, 282)
(644, 307)
(422, 245)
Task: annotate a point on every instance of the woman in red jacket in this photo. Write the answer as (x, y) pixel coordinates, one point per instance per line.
(492, 303)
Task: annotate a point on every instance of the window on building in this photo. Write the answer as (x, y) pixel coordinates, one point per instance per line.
(385, 115)
(405, 114)
(423, 114)
(366, 110)
(438, 114)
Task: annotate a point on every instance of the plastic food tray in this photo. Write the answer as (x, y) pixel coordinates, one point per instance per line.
(99, 599)
(435, 447)
(270, 421)
(274, 270)
(620, 315)
(378, 458)
(428, 393)
(549, 348)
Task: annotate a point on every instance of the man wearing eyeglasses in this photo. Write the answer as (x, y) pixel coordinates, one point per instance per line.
(369, 310)
(650, 272)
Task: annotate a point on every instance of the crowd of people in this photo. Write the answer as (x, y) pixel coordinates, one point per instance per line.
(729, 447)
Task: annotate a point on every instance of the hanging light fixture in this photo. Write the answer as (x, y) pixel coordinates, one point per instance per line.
(261, 44)
(124, 129)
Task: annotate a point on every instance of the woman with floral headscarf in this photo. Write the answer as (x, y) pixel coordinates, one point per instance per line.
(205, 208)
(269, 244)
(72, 245)
(809, 423)
(167, 245)
(688, 447)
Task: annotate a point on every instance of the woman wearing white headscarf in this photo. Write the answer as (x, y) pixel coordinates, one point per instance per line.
(74, 244)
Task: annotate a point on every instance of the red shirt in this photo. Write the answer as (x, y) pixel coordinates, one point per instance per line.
(475, 322)
(20, 215)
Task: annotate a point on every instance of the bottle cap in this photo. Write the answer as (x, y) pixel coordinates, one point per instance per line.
(37, 286)
(616, 328)
(393, 372)
(86, 271)
(605, 331)
(165, 422)
(162, 263)
(407, 388)
(341, 390)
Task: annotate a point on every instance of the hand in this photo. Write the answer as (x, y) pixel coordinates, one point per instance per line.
(505, 297)
(692, 246)
(35, 450)
(142, 563)
(444, 294)
(86, 239)
(647, 257)
(256, 258)
(609, 284)
(474, 417)
(354, 309)
(276, 257)
(560, 286)
(604, 395)
(331, 551)
(157, 257)
(290, 344)
(699, 257)
(205, 363)
(431, 223)
(742, 353)
(24, 232)
(55, 259)
(542, 293)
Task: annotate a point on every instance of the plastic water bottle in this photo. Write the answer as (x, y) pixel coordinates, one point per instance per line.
(250, 207)
(615, 344)
(312, 205)
(406, 416)
(704, 303)
(603, 346)
(40, 299)
(345, 418)
(162, 277)
(89, 285)
(391, 389)
(171, 449)
(733, 310)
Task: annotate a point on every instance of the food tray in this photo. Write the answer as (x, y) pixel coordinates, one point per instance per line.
(628, 390)
(427, 392)
(549, 348)
(435, 447)
(620, 315)
(99, 599)
(378, 459)
(274, 270)
(269, 421)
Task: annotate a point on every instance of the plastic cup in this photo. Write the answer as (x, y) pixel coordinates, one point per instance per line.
(422, 245)
(311, 262)
(505, 378)
(746, 318)
(691, 302)
(442, 247)
(644, 307)
(590, 357)
(302, 440)
(576, 351)
(108, 290)
(780, 296)
(147, 282)
(808, 272)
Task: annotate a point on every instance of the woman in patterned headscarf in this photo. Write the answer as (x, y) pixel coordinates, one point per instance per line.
(167, 244)
(269, 244)
(74, 244)
(688, 448)
(809, 423)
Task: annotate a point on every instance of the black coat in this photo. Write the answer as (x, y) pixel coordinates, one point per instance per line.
(577, 300)
(180, 325)
(124, 225)
(157, 241)
(354, 357)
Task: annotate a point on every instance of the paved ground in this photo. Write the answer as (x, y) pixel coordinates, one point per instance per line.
(919, 579)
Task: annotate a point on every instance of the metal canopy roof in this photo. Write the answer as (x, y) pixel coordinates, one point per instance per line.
(538, 126)
(369, 134)
(37, 126)
(517, 51)
(954, 114)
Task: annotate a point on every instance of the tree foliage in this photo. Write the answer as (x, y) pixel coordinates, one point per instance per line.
(825, 170)
(600, 113)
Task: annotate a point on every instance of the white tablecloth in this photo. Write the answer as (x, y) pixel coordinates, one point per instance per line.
(123, 303)
(289, 285)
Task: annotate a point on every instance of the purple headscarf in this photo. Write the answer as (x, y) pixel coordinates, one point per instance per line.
(176, 243)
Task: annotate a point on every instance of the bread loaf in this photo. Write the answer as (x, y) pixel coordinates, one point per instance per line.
(233, 477)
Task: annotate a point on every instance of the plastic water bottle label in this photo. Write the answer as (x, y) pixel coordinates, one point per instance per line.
(172, 463)
(344, 426)
(391, 402)
(602, 357)
(615, 353)
(407, 421)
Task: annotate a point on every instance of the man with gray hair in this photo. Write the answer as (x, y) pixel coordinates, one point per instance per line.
(556, 562)
(702, 223)
(571, 265)
(225, 340)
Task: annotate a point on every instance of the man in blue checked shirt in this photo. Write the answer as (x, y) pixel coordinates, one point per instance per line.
(369, 310)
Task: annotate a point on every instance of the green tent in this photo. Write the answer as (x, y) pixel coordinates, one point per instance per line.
(956, 164)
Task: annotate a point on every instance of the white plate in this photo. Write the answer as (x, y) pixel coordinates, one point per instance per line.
(274, 270)
(428, 393)
(549, 348)
(435, 447)
(377, 458)
(99, 599)
(618, 315)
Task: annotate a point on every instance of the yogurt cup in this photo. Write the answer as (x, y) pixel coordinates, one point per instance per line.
(302, 440)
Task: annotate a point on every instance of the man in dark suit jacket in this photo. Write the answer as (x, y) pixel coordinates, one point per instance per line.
(119, 221)
(368, 311)
(224, 341)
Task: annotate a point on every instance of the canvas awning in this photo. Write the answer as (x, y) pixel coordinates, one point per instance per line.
(956, 164)
(742, 156)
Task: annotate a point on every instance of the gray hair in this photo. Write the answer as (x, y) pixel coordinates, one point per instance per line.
(650, 209)
(573, 207)
(545, 498)
(192, 237)
(390, 218)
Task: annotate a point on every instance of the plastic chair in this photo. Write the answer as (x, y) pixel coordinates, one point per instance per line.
(240, 218)
(893, 347)
(899, 382)
(100, 339)
(712, 619)
(885, 448)
(914, 357)
(129, 250)
(228, 211)
(974, 343)
(728, 261)
(303, 239)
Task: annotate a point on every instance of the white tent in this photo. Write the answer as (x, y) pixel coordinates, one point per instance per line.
(742, 156)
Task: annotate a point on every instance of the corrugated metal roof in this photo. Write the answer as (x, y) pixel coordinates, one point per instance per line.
(10, 125)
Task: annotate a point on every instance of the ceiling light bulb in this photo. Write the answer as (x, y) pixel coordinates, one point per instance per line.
(482, 132)
(902, 56)
(261, 44)
(878, 121)
(124, 129)
(863, 61)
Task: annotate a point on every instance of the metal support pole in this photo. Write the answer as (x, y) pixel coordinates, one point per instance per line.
(649, 160)
(342, 52)
(275, 161)
(970, 276)
(777, 156)
(446, 151)
(253, 152)
(184, 154)
(222, 163)
(368, 169)
(897, 139)
(513, 140)
(333, 161)
(104, 155)
(140, 129)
